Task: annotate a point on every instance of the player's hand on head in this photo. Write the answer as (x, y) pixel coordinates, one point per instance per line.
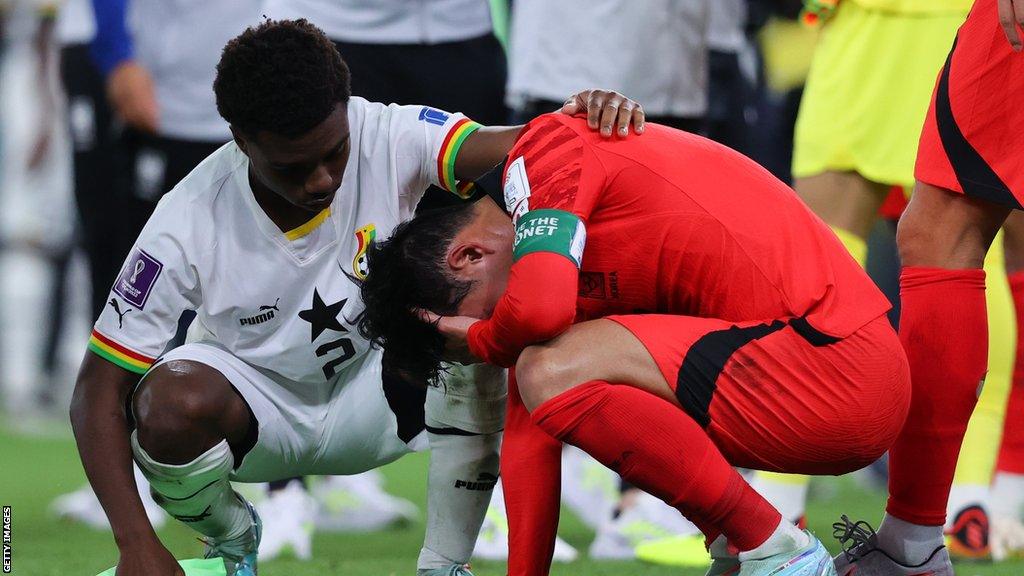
(149, 559)
(132, 94)
(455, 330)
(1011, 18)
(608, 111)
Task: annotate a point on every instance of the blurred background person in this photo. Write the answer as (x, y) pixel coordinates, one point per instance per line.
(36, 211)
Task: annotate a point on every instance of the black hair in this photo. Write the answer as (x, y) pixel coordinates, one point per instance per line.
(408, 272)
(283, 76)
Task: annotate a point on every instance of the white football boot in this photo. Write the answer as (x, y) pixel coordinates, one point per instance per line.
(290, 512)
(811, 560)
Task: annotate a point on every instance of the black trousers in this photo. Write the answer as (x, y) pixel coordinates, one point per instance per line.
(100, 185)
(466, 76)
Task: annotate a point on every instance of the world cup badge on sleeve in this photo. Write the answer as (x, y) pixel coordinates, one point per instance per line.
(138, 277)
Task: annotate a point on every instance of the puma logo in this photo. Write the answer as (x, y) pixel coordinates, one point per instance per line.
(120, 315)
(273, 307)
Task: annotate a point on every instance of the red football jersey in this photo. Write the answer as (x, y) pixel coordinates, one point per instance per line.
(669, 222)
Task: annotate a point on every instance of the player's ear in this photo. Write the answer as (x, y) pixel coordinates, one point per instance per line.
(240, 140)
(462, 256)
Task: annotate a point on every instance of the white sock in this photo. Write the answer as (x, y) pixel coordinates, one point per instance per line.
(463, 473)
(719, 549)
(197, 493)
(909, 543)
(786, 538)
(1007, 496)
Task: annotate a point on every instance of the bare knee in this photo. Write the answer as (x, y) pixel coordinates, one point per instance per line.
(543, 372)
(945, 230)
(181, 411)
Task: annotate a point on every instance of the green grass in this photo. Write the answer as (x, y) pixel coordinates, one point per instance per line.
(35, 469)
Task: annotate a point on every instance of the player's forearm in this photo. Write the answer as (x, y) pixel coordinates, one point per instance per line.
(484, 149)
(539, 304)
(101, 431)
(530, 471)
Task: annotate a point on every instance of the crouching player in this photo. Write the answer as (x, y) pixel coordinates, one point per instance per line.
(719, 323)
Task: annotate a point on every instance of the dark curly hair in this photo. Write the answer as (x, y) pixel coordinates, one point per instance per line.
(406, 272)
(283, 76)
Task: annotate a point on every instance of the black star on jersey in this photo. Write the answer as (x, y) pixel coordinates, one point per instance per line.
(323, 317)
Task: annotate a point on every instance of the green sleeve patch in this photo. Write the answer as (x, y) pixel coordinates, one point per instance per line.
(549, 230)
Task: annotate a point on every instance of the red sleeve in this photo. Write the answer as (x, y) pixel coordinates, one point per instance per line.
(551, 167)
(531, 463)
(539, 304)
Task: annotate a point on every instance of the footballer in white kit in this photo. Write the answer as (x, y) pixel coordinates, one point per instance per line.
(275, 308)
(265, 240)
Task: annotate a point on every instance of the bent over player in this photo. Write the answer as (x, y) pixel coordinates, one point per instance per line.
(264, 239)
(719, 324)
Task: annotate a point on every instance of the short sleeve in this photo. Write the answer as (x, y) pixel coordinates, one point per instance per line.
(158, 281)
(551, 167)
(426, 142)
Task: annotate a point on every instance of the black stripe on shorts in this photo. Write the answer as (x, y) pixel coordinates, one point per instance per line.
(705, 360)
(975, 176)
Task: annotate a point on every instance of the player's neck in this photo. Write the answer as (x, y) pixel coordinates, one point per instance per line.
(285, 215)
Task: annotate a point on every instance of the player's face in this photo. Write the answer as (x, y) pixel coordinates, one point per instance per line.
(306, 170)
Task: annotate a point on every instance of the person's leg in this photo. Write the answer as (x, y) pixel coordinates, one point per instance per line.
(640, 430)
(943, 238)
(191, 427)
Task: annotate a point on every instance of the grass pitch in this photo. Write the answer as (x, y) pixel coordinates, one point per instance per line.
(36, 468)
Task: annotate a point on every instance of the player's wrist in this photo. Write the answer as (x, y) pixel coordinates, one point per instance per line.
(134, 537)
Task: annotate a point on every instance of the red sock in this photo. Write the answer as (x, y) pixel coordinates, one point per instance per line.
(531, 462)
(944, 329)
(658, 448)
(1011, 451)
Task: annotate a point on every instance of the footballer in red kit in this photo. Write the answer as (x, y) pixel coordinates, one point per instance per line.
(669, 307)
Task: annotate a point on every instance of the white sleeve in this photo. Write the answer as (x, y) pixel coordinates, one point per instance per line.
(425, 142)
(158, 281)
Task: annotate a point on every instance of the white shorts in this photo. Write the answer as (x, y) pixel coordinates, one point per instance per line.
(355, 422)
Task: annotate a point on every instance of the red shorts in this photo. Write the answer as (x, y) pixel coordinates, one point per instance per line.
(781, 396)
(973, 136)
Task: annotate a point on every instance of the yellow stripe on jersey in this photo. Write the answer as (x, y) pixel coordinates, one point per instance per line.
(308, 227)
(118, 354)
(449, 152)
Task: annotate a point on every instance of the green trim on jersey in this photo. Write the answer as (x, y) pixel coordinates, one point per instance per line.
(115, 360)
(547, 230)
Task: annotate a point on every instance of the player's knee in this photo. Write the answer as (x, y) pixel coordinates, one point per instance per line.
(541, 374)
(172, 407)
(942, 230)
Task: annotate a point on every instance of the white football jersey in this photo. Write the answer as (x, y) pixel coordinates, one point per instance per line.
(283, 302)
